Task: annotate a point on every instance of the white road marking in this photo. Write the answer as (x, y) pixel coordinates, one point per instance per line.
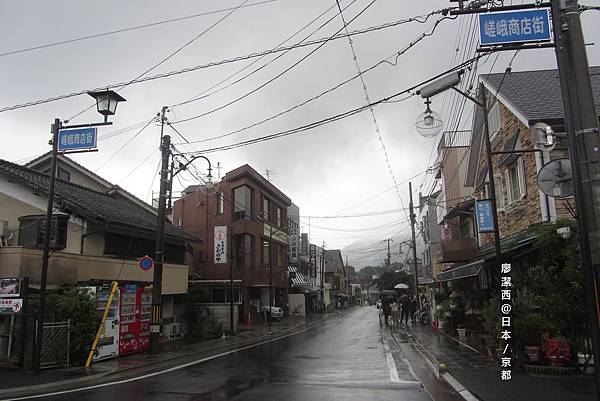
(390, 362)
(174, 368)
(459, 388)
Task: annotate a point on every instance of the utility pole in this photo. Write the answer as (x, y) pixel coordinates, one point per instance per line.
(388, 261)
(231, 261)
(46, 254)
(160, 239)
(581, 121)
(322, 269)
(270, 276)
(414, 242)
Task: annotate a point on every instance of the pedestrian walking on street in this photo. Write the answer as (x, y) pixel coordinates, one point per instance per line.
(395, 314)
(413, 309)
(386, 312)
(405, 304)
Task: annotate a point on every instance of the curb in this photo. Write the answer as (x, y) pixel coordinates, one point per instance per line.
(32, 389)
(440, 370)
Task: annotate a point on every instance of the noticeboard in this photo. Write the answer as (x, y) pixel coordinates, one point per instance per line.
(10, 287)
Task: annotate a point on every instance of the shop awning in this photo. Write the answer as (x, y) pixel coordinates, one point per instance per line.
(468, 270)
(298, 279)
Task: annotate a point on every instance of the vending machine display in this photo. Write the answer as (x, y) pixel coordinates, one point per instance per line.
(108, 343)
(135, 319)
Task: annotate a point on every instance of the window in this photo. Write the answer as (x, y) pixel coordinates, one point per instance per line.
(219, 198)
(266, 252)
(494, 121)
(244, 251)
(242, 200)
(32, 231)
(515, 179)
(278, 217)
(499, 192)
(223, 295)
(280, 255)
(267, 212)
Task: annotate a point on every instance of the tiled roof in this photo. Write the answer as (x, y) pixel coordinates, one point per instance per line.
(536, 94)
(96, 206)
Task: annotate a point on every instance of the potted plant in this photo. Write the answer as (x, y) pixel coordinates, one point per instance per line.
(557, 350)
(530, 327)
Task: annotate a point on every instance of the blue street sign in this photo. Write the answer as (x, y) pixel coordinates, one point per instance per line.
(514, 27)
(77, 139)
(485, 219)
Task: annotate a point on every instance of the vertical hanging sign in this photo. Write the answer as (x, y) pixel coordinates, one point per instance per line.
(485, 219)
(220, 244)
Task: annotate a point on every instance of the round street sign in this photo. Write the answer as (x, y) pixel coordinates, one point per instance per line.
(146, 263)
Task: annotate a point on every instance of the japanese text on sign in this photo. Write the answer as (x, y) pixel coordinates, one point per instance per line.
(514, 27)
(506, 324)
(77, 139)
(220, 244)
(485, 220)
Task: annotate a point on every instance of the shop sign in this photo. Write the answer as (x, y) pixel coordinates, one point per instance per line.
(11, 305)
(220, 244)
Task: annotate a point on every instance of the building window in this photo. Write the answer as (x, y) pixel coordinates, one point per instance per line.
(494, 121)
(515, 179)
(499, 192)
(280, 255)
(242, 201)
(278, 217)
(220, 207)
(267, 212)
(244, 251)
(32, 231)
(266, 252)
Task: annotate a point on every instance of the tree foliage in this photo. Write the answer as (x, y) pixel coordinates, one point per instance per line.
(389, 278)
(77, 305)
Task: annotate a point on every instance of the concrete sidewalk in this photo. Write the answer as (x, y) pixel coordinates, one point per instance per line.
(18, 381)
(480, 375)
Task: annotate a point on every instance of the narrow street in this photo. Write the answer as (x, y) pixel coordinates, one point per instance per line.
(349, 357)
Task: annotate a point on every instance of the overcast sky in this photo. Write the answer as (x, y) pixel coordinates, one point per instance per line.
(335, 169)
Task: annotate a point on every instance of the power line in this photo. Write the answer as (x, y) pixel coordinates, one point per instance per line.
(425, 34)
(98, 35)
(203, 96)
(195, 68)
(180, 48)
(331, 119)
(276, 76)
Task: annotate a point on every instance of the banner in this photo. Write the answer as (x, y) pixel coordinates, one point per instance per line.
(220, 244)
(485, 220)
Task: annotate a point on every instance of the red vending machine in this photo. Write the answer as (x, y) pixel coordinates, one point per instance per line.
(135, 319)
(130, 322)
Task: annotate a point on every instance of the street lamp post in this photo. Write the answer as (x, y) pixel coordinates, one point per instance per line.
(449, 82)
(106, 103)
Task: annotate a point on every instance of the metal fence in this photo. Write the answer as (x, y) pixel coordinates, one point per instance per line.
(55, 345)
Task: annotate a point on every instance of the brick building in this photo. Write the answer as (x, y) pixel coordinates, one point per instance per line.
(252, 214)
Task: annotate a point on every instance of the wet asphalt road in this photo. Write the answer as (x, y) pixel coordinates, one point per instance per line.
(346, 358)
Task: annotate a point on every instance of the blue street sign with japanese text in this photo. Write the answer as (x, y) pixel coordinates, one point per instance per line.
(485, 219)
(514, 27)
(77, 139)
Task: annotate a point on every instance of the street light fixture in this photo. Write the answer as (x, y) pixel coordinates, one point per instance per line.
(450, 81)
(106, 102)
(107, 105)
(429, 123)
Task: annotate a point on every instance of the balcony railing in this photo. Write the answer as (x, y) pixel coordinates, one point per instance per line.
(454, 139)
